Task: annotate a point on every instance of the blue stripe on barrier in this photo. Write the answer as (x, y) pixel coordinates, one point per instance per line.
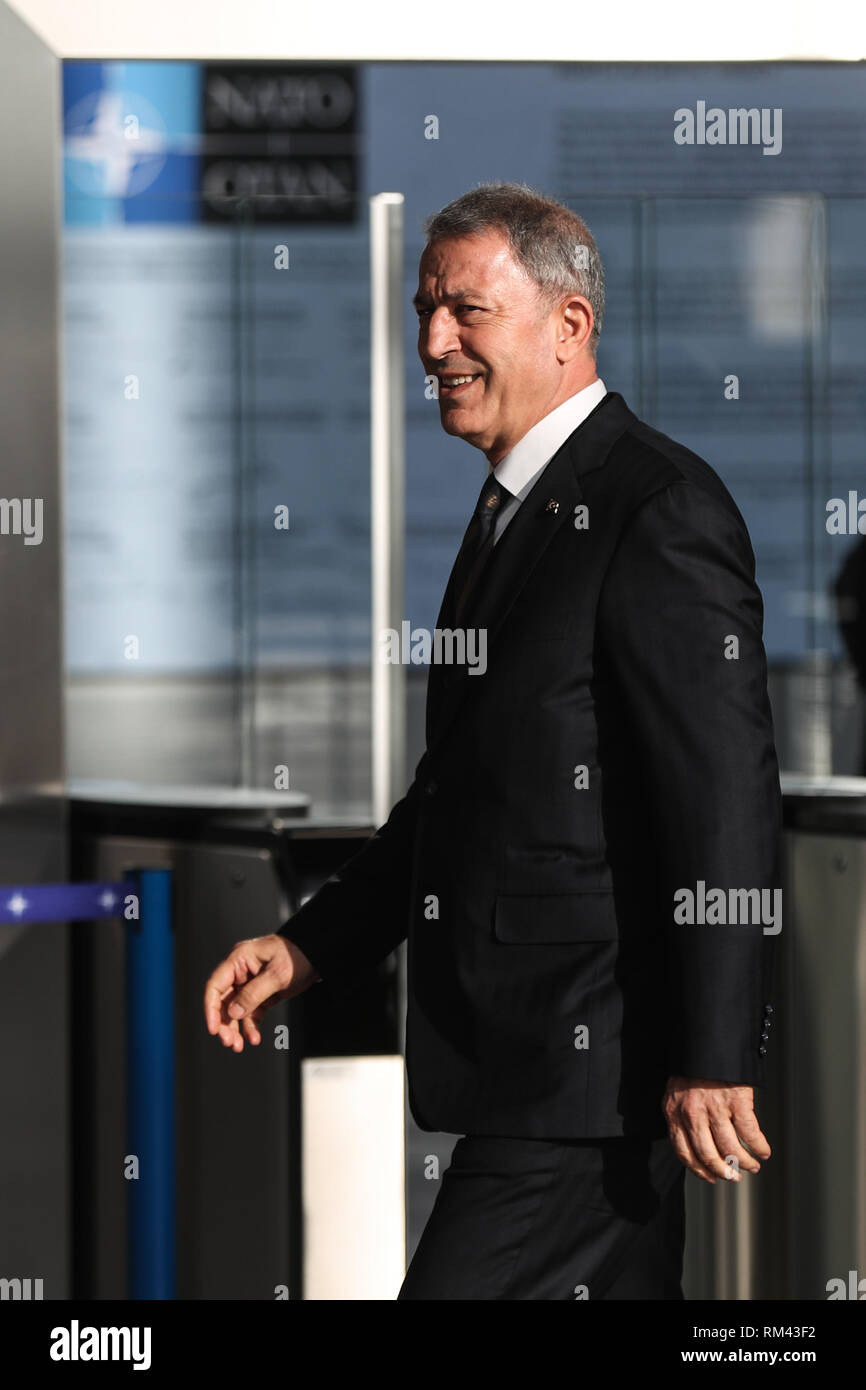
(150, 1091)
(61, 902)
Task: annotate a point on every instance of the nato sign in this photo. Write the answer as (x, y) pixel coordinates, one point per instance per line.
(283, 136)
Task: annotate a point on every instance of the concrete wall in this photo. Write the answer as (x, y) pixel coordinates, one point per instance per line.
(34, 1027)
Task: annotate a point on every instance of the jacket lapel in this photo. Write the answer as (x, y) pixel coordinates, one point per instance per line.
(517, 553)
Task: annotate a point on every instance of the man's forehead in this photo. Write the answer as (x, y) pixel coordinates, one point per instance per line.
(465, 267)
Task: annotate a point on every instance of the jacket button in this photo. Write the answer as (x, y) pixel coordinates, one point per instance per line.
(768, 1008)
(762, 1052)
(432, 787)
(765, 1037)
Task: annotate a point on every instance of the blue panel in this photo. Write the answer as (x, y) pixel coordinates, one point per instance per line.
(173, 92)
(150, 1089)
(131, 142)
(173, 88)
(84, 88)
(173, 196)
(79, 80)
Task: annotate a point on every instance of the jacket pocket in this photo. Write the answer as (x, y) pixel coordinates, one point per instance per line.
(555, 917)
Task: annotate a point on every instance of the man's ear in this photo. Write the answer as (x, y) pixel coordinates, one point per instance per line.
(574, 324)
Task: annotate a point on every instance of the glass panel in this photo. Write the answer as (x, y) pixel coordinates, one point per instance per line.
(305, 461)
(217, 446)
(738, 356)
(207, 384)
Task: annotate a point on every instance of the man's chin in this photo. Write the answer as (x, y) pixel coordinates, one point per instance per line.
(457, 421)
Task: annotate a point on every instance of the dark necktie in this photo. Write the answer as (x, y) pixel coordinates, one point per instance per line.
(478, 541)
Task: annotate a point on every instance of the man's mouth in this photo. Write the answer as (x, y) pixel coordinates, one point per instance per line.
(454, 383)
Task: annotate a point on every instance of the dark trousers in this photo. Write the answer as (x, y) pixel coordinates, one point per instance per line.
(544, 1219)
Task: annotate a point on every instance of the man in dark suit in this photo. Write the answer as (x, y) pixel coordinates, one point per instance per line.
(586, 862)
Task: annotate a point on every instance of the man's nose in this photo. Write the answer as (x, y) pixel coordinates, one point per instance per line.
(441, 335)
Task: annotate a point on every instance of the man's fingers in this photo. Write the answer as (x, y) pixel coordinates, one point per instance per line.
(727, 1142)
(249, 1026)
(717, 1125)
(226, 1033)
(247, 978)
(218, 986)
(255, 994)
(218, 1023)
(746, 1124)
(700, 1137)
(271, 976)
(234, 971)
(686, 1154)
(256, 974)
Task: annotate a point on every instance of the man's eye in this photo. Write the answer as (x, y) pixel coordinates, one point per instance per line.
(461, 308)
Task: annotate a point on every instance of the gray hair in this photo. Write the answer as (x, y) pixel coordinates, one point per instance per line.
(549, 241)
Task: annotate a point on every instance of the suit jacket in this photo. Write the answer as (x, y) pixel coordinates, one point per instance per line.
(615, 751)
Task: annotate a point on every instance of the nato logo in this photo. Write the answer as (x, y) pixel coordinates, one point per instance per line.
(131, 142)
(116, 144)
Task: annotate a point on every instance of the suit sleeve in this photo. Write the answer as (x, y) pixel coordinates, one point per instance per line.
(681, 621)
(361, 913)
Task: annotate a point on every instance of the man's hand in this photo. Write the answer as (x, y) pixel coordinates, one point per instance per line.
(709, 1122)
(255, 975)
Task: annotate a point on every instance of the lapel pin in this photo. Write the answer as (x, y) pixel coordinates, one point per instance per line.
(552, 506)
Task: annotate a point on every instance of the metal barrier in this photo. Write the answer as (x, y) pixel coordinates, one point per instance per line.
(144, 900)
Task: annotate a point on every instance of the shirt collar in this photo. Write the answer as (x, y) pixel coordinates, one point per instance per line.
(518, 470)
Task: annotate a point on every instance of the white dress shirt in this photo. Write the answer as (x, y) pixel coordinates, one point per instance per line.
(523, 465)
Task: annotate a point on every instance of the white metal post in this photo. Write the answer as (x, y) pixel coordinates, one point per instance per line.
(388, 497)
